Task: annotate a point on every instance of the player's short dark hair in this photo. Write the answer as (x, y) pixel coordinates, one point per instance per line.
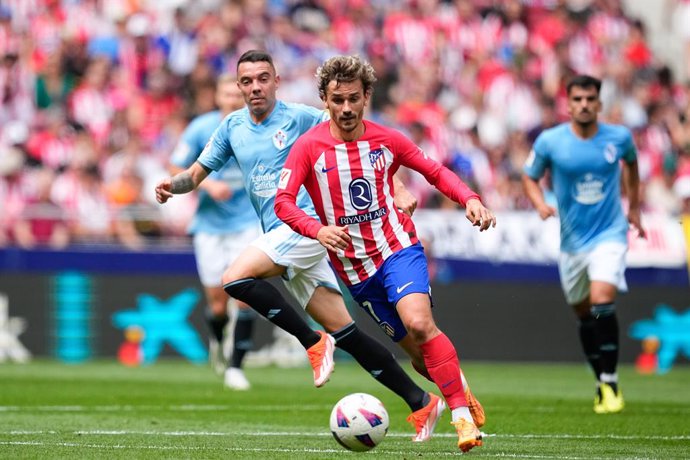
(345, 69)
(583, 81)
(255, 56)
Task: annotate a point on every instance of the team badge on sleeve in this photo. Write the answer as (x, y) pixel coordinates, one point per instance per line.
(284, 178)
(610, 153)
(530, 158)
(377, 159)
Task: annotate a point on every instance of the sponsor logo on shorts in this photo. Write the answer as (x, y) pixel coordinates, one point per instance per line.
(403, 287)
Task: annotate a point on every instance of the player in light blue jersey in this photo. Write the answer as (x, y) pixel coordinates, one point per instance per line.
(259, 138)
(584, 158)
(223, 225)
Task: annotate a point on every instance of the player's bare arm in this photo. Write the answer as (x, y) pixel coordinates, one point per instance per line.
(631, 178)
(479, 215)
(217, 189)
(333, 237)
(184, 182)
(404, 200)
(536, 196)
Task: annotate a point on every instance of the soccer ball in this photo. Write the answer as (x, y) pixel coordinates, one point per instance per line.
(359, 422)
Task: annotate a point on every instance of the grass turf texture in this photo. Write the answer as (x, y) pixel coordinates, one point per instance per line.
(173, 409)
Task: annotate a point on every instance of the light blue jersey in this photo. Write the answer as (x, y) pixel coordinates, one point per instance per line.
(261, 150)
(231, 216)
(586, 177)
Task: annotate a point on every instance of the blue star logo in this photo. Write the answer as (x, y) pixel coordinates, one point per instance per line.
(671, 329)
(165, 321)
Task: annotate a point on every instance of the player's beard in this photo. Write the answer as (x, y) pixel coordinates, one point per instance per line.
(586, 121)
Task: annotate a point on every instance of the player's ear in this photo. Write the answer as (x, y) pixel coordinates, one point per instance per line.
(277, 80)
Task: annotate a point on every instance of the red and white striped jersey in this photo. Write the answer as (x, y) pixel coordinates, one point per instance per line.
(351, 184)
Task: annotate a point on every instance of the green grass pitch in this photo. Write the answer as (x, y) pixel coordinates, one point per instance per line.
(173, 409)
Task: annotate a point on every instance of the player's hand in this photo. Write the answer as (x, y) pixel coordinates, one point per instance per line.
(636, 222)
(163, 192)
(218, 190)
(405, 201)
(479, 215)
(546, 211)
(333, 238)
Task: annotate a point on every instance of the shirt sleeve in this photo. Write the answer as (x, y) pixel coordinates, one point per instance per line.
(446, 181)
(629, 149)
(218, 149)
(538, 160)
(187, 149)
(292, 177)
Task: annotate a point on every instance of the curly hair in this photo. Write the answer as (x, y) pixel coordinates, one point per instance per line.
(345, 69)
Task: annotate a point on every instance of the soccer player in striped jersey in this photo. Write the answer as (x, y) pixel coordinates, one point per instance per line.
(259, 138)
(347, 166)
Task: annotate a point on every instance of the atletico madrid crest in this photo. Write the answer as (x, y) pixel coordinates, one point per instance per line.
(377, 159)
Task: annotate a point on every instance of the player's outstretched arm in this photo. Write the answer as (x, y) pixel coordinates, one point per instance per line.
(479, 215)
(536, 196)
(183, 182)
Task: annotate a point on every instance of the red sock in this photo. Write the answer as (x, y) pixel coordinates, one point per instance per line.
(423, 372)
(442, 362)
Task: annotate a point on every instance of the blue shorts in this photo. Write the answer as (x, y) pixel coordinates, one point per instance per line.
(403, 273)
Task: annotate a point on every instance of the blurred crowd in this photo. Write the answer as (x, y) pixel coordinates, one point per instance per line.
(95, 94)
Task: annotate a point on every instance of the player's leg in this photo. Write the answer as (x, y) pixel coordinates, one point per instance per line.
(245, 280)
(243, 316)
(442, 364)
(210, 268)
(606, 270)
(407, 283)
(327, 308)
(575, 284)
(414, 351)
(242, 343)
(217, 319)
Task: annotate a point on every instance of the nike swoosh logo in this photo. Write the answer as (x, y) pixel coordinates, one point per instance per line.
(403, 287)
(325, 170)
(444, 385)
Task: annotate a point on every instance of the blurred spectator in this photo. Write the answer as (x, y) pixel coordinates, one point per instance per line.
(88, 82)
(659, 195)
(53, 84)
(149, 110)
(90, 103)
(12, 184)
(41, 222)
(80, 192)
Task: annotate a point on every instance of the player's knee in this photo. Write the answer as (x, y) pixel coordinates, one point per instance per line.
(421, 329)
(228, 277)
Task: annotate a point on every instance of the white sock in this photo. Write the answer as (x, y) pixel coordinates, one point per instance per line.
(461, 412)
(608, 378)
